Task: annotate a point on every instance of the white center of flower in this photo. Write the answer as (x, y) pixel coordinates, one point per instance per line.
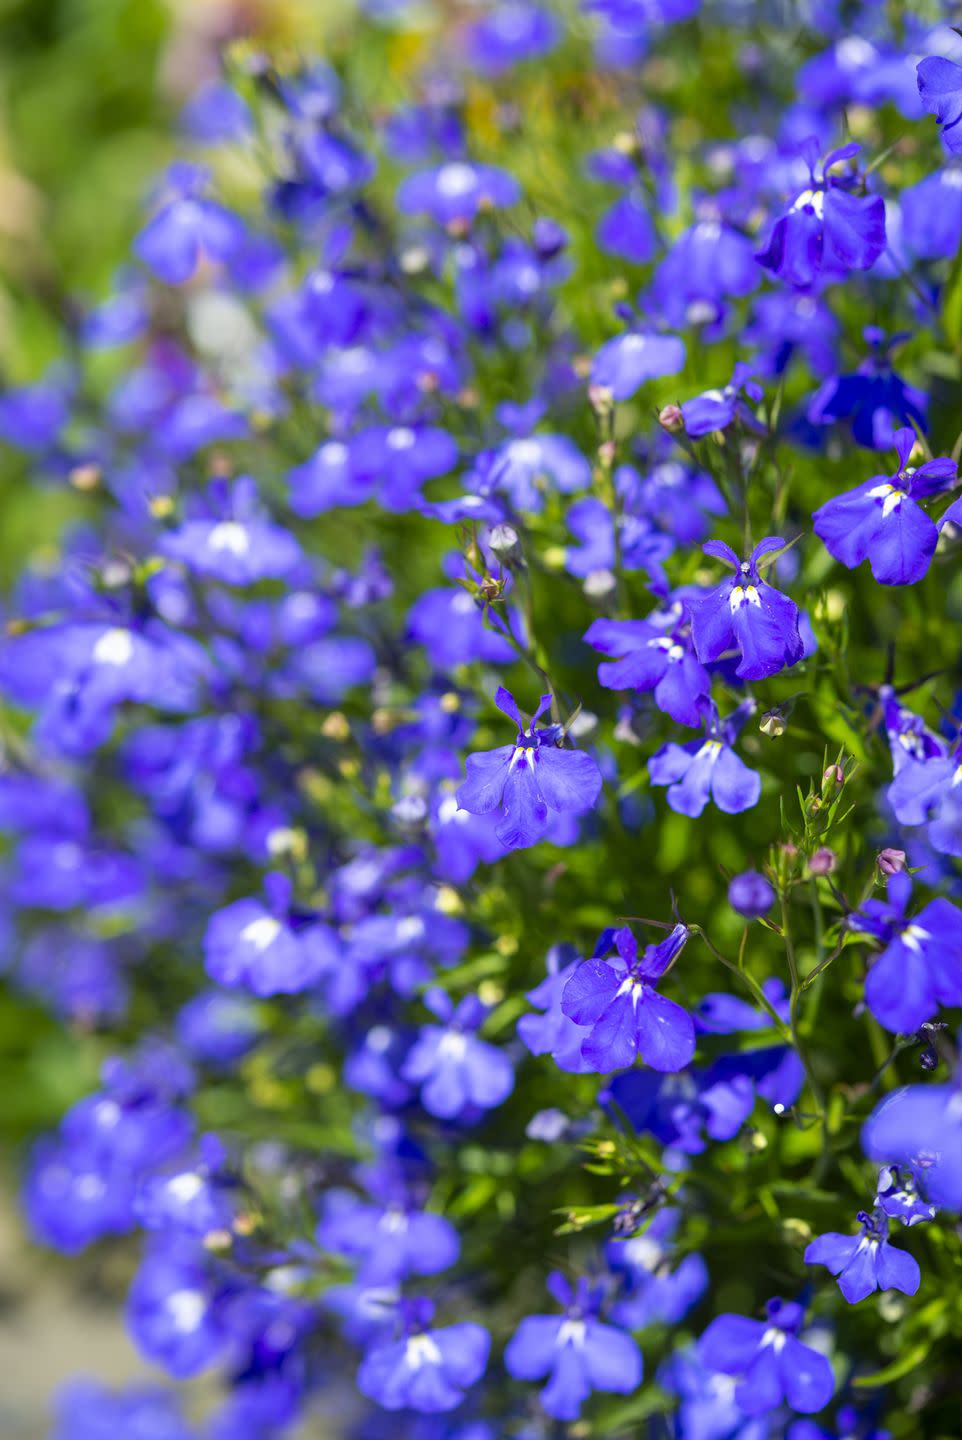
(394, 1221)
(571, 1332)
(709, 751)
(229, 535)
(890, 497)
(262, 932)
(462, 603)
(186, 1308)
(410, 928)
(186, 1187)
(333, 453)
(912, 937)
(455, 180)
(643, 1253)
(631, 986)
(115, 647)
(744, 595)
(400, 438)
(421, 1350)
(774, 1337)
(525, 452)
(811, 200)
(453, 1045)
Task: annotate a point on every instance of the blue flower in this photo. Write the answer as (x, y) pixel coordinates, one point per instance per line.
(459, 1074)
(829, 230)
(529, 467)
(940, 87)
(512, 32)
(771, 1363)
(881, 519)
(717, 409)
(626, 230)
(626, 1014)
(746, 614)
(654, 1292)
(527, 779)
(454, 193)
(920, 1127)
(449, 623)
(390, 1238)
(88, 1411)
(874, 398)
(898, 1197)
(865, 1262)
(553, 1033)
(426, 1370)
(188, 228)
(575, 1350)
(658, 655)
(628, 361)
(237, 545)
(920, 966)
(708, 769)
(256, 946)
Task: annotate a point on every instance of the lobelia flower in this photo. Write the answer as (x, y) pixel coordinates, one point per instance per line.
(553, 1033)
(628, 361)
(881, 520)
(390, 1239)
(653, 1291)
(426, 1370)
(940, 89)
(747, 614)
(772, 1365)
(865, 1262)
(717, 409)
(708, 263)
(459, 1074)
(932, 213)
(873, 398)
(627, 1017)
(708, 769)
(920, 1127)
(577, 1351)
(529, 467)
(898, 1197)
(658, 655)
(239, 545)
(257, 946)
(188, 228)
(920, 966)
(527, 779)
(453, 193)
(829, 230)
(591, 522)
(86, 1410)
(626, 230)
(512, 32)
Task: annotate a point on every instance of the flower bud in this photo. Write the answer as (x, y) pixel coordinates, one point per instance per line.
(890, 861)
(772, 724)
(601, 399)
(504, 542)
(823, 862)
(832, 780)
(751, 895)
(671, 419)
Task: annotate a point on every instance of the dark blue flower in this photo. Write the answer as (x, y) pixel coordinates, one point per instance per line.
(527, 779)
(865, 1262)
(920, 966)
(255, 946)
(628, 361)
(626, 1014)
(658, 655)
(898, 1196)
(940, 88)
(553, 1033)
(882, 521)
(747, 614)
(874, 398)
(829, 230)
(750, 894)
(772, 1365)
(653, 1290)
(577, 1351)
(454, 193)
(389, 1238)
(920, 1127)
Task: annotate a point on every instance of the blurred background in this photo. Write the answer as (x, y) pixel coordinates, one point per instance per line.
(90, 91)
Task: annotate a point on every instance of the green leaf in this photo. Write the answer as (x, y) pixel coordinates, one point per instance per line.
(902, 1366)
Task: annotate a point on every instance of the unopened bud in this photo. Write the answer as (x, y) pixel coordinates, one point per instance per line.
(504, 542)
(890, 861)
(600, 399)
(772, 724)
(833, 779)
(85, 477)
(607, 453)
(671, 419)
(823, 862)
